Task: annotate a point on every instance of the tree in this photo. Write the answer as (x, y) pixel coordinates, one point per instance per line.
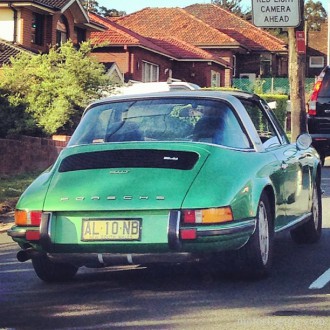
(54, 88)
(315, 14)
(93, 5)
(14, 120)
(232, 5)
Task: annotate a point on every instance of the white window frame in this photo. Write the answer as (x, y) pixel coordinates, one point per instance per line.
(215, 78)
(316, 65)
(150, 72)
(234, 66)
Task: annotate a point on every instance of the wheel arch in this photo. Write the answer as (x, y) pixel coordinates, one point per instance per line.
(318, 175)
(269, 191)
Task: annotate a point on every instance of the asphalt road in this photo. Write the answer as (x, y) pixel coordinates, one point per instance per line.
(295, 296)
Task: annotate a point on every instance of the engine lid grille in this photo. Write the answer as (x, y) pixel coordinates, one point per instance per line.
(180, 160)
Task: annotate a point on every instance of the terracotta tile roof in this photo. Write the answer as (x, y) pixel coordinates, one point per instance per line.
(317, 41)
(119, 35)
(176, 22)
(168, 46)
(8, 50)
(239, 29)
(184, 50)
(56, 4)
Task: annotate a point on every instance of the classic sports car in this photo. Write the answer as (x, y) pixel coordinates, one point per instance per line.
(171, 177)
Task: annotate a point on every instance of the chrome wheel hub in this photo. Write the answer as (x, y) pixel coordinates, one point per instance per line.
(263, 233)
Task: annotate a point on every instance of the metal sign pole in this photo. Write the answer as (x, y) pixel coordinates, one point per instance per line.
(328, 57)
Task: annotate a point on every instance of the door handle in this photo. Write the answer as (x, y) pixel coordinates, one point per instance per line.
(284, 166)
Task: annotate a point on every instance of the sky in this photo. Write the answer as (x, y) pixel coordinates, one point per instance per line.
(130, 6)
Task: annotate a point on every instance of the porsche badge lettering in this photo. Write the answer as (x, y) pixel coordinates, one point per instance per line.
(119, 172)
(113, 198)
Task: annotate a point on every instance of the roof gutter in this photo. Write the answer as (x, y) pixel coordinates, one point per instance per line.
(31, 4)
(15, 22)
(171, 57)
(225, 65)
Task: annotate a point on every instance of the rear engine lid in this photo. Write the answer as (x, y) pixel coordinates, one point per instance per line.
(124, 179)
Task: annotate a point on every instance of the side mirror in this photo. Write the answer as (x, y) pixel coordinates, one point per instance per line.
(304, 141)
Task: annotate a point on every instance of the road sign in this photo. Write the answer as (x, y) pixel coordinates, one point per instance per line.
(300, 42)
(276, 13)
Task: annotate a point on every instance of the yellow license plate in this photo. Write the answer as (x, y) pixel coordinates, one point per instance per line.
(111, 230)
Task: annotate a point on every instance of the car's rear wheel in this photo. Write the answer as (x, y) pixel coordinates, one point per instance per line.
(49, 271)
(254, 259)
(310, 231)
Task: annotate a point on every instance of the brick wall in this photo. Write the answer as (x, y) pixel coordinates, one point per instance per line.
(49, 29)
(28, 154)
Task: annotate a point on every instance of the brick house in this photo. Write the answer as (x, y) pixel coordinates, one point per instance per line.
(260, 53)
(248, 51)
(35, 25)
(317, 44)
(156, 59)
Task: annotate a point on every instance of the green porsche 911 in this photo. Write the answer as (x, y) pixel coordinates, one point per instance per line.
(171, 177)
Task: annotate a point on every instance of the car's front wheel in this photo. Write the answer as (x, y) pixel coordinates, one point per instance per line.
(310, 231)
(254, 259)
(49, 271)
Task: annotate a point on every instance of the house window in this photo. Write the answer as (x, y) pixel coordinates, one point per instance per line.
(316, 62)
(265, 65)
(150, 72)
(62, 30)
(215, 79)
(80, 34)
(37, 29)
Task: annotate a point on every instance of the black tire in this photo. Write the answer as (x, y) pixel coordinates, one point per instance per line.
(254, 259)
(49, 271)
(310, 231)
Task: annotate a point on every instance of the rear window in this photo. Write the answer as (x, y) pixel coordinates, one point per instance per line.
(170, 119)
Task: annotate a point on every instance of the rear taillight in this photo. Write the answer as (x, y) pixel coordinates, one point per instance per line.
(208, 216)
(313, 98)
(27, 218)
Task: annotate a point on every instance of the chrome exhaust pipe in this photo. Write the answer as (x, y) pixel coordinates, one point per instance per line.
(25, 255)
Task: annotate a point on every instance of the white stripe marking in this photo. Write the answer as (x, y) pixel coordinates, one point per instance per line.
(322, 281)
(130, 259)
(100, 258)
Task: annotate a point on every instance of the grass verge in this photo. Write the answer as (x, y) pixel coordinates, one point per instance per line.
(12, 187)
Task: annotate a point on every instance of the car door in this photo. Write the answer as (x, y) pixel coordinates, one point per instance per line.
(296, 173)
(292, 177)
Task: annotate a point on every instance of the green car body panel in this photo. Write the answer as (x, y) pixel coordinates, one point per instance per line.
(72, 196)
(92, 193)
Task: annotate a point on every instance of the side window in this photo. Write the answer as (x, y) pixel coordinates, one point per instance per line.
(62, 30)
(263, 125)
(37, 29)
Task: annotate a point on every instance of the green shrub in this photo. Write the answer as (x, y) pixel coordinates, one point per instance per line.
(281, 106)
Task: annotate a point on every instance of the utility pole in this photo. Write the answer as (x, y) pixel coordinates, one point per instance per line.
(297, 68)
(328, 58)
(290, 15)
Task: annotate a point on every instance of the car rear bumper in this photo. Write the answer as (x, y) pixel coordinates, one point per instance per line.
(208, 240)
